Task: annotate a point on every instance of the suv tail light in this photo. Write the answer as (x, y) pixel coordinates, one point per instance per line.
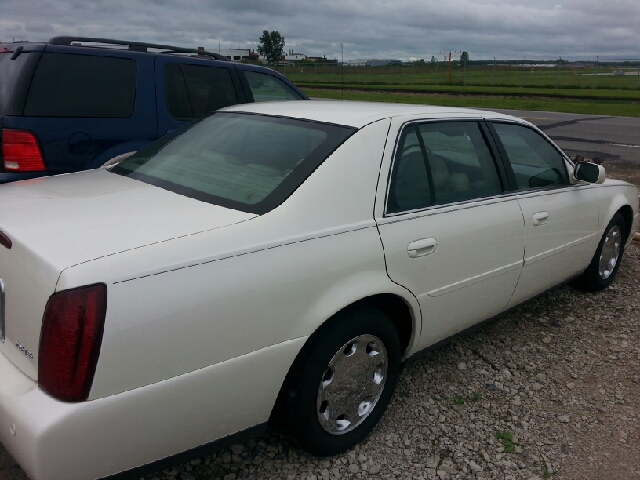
(21, 151)
(70, 341)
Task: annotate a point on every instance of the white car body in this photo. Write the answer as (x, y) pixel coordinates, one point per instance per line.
(207, 307)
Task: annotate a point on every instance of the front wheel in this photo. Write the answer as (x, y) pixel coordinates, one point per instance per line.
(606, 261)
(343, 381)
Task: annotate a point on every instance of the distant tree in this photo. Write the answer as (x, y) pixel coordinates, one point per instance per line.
(433, 59)
(271, 46)
(464, 58)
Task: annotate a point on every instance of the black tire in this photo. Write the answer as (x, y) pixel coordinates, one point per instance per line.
(301, 393)
(596, 277)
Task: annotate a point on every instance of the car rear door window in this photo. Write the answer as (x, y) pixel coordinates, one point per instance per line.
(84, 86)
(442, 162)
(193, 91)
(267, 88)
(535, 162)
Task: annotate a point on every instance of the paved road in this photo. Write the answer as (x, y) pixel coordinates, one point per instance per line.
(605, 137)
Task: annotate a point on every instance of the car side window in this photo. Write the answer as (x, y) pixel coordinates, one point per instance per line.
(442, 162)
(82, 86)
(267, 88)
(535, 162)
(193, 91)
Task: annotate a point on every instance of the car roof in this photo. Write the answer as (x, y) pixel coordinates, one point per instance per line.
(359, 114)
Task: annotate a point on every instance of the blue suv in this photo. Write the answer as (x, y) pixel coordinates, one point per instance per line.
(74, 103)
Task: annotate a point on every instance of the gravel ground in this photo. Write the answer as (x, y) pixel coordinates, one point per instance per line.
(549, 390)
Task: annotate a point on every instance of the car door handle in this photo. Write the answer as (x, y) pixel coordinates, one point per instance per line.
(422, 247)
(540, 218)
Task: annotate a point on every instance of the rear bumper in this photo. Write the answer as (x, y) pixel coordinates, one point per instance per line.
(52, 440)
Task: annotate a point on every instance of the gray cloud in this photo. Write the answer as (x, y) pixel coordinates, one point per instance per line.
(400, 29)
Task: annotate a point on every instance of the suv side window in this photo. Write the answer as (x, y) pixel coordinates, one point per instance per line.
(193, 91)
(67, 85)
(266, 88)
(442, 162)
(535, 162)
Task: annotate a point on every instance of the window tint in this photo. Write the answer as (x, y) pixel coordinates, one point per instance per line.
(193, 91)
(247, 162)
(535, 162)
(67, 85)
(10, 76)
(267, 88)
(441, 163)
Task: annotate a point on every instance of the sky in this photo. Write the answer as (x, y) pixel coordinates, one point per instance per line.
(397, 29)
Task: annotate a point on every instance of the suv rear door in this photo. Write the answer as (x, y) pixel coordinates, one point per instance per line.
(190, 88)
(87, 108)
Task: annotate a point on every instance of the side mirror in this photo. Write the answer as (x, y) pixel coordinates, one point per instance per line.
(589, 172)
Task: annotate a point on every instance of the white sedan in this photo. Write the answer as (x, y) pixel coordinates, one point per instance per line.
(276, 262)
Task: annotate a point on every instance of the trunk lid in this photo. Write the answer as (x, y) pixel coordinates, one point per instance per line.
(57, 222)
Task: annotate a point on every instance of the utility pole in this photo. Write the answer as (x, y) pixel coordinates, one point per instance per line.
(494, 72)
(342, 52)
(449, 66)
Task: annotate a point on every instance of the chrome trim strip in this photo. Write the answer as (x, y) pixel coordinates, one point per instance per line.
(553, 251)
(447, 207)
(476, 279)
(1, 311)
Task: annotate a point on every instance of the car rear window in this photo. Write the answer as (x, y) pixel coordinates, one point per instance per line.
(66, 85)
(242, 161)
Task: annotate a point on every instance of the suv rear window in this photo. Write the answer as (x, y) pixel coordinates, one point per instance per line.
(66, 85)
(193, 91)
(246, 162)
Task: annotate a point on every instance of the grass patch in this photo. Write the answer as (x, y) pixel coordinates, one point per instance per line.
(458, 400)
(566, 78)
(507, 441)
(589, 107)
(544, 468)
(475, 397)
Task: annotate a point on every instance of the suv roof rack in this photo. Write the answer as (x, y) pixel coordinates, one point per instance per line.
(135, 46)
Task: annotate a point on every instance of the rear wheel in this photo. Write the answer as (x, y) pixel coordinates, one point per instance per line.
(606, 261)
(343, 381)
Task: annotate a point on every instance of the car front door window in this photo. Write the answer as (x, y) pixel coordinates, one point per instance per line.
(535, 162)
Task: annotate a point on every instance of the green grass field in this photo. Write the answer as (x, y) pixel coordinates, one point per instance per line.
(561, 89)
(588, 107)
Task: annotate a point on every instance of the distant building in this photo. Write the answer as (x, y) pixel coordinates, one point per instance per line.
(235, 53)
(291, 56)
(372, 62)
(322, 59)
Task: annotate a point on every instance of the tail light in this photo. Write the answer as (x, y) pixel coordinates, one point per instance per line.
(70, 341)
(21, 151)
